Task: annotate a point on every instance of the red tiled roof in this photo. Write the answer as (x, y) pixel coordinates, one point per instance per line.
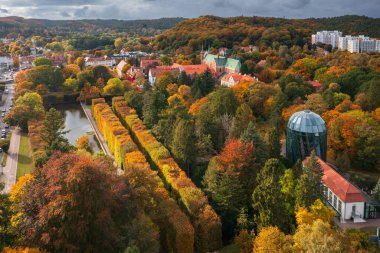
(161, 69)
(338, 184)
(262, 62)
(237, 77)
(194, 69)
(146, 63)
(317, 85)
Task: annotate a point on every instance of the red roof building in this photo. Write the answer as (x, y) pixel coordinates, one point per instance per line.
(191, 70)
(317, 85)
(149, 63)
(343, 196)
(157, 71)
(233, 79)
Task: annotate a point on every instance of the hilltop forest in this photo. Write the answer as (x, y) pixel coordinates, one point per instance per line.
(211, 31)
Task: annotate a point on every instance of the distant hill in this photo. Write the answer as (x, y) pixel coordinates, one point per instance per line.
(190, 35)
(26, 27)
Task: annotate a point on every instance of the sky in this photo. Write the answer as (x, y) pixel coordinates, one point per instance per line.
(151, 9)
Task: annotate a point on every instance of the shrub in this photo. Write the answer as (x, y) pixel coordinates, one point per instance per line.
(206, 222)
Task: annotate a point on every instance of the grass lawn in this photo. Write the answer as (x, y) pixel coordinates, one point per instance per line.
(24, 162)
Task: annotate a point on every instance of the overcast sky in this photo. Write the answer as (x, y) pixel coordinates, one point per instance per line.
(148, 9)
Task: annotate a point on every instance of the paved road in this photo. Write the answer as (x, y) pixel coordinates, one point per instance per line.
(8, 174)
(10, 170)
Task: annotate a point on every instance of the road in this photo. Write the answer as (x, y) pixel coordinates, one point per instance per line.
(10, 169)
(8, 173)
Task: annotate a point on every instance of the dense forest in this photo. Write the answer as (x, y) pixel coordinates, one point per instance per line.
(12, 26)
(211, 31)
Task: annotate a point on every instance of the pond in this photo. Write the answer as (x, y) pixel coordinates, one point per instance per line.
(78, 125)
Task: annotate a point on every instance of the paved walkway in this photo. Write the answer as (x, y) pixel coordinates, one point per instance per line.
(370, 223)
(10, 169)
(102, 142)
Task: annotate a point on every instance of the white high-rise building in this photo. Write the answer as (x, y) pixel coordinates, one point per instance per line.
(353, 45)
(326, 37)
(377, 47)
(342, 42)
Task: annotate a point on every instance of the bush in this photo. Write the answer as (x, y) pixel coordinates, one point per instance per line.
(206, 222)
(175, 227)
(4, 145)
(39, 158)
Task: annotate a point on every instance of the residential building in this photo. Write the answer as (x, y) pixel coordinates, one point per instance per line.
(58, 60)
(326, 37)
(105, 60)
(26, 62)
(347, 200)
(145, 65)
(119, 69)
(377, 47)
(317, 85)
(250, 48)
(154, 73)
(233, 79)
(6, 61)
(358, 44)
(192, 70)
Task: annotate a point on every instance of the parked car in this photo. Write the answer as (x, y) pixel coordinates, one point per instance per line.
(3, 114)
(6, 126)
(1, 150)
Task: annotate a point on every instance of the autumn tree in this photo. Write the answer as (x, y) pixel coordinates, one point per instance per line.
(309, 185)
(154, 102)
(221, 104)
(135, 99)
(271, 239)
(228, 181)
(114, 87)
(83, 143)
(183, 145)
(318, 237)
(267, 198)
(39, 61)
(203, 84)
(307, 215)
(28, 106)
(242, 118)
(81, 206)
(261, 147)
(53, 132)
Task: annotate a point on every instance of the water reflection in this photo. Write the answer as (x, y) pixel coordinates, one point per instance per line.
(77, 123)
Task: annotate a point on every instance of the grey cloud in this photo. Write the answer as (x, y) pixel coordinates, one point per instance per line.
(65, 14)
(81, 13)
(146, 9)
(3, 10)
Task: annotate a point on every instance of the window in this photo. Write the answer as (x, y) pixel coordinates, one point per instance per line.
(330, 197)
(335, 201)
(339, 206)
(325, 191)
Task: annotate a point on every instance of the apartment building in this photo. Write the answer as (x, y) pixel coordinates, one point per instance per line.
(326, 37)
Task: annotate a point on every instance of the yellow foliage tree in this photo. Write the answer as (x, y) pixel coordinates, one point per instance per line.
(16, 194)
(317, 237)
(317, 211)
(272, 240)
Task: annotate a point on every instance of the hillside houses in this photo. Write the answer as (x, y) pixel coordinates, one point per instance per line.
(233, 79)
(104, 60)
